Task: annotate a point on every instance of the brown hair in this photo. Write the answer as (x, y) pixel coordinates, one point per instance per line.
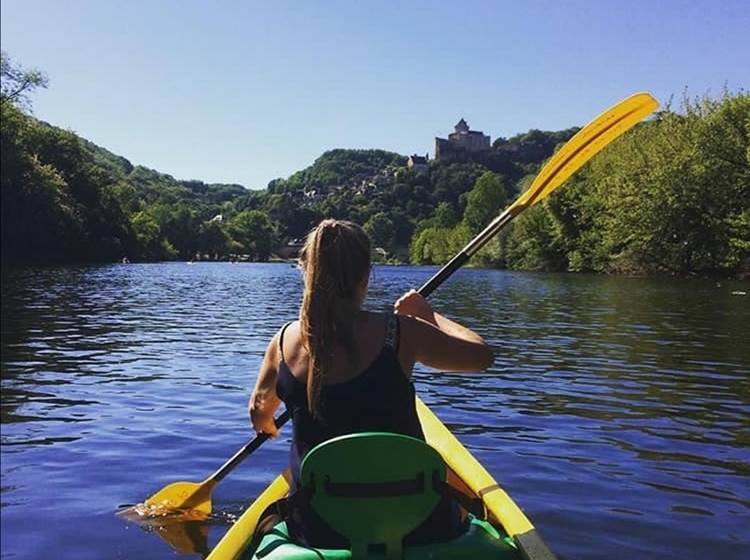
(335, 261)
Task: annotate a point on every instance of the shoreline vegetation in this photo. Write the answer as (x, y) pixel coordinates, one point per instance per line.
(671, 197)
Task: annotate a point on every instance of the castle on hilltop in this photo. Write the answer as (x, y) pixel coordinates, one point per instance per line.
(461, 143)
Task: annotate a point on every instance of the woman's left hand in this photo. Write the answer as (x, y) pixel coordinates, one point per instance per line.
(270, 430)
(262, 426)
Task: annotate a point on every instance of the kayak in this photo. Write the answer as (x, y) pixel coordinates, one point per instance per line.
(500, 530)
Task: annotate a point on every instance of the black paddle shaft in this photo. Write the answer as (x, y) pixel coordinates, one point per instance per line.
(251, 446)
(442, 275)
(472, 247)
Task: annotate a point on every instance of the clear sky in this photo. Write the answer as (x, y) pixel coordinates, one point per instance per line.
(240, 91)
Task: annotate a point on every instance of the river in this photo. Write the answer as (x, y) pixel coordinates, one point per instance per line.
(617, 413)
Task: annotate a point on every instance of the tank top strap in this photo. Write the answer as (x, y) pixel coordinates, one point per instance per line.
(392, 331)
(281, 339)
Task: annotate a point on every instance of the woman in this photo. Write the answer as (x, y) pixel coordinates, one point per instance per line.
(341, 369)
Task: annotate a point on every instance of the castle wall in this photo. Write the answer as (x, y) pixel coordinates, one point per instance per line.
(442, 148)
(472, 141)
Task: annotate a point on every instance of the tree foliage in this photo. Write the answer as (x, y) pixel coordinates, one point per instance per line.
(16, 83)
(55, 205)
(252, 229)
(381, 229)
(484, 202)
(670, 197)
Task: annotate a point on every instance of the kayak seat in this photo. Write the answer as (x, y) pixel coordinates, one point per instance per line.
(374, 489)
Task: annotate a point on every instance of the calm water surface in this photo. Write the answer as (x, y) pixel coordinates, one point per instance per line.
(617, 413)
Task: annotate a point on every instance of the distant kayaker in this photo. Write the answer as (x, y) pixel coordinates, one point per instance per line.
(340, 369)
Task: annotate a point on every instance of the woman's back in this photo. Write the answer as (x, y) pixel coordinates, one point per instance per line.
(370, 334)
(376, 397)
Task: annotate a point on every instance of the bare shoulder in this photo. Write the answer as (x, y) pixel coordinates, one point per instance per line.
(285, 337)
(291, 348)
(289, 331)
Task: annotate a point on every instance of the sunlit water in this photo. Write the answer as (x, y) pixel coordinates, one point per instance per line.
(617, 413)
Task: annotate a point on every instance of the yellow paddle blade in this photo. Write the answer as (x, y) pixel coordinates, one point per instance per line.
(587, 142)
(185, 496)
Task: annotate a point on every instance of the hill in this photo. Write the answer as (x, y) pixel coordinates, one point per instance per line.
(375, 188)
(152, 185)
(97, 205)
(669, 197)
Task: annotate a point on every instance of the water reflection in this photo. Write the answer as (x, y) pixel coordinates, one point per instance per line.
(184, 536)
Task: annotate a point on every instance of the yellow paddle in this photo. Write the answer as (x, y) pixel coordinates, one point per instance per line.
(195, 498)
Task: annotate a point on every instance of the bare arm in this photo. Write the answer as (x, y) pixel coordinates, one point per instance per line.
(264, 401)
(438, 342)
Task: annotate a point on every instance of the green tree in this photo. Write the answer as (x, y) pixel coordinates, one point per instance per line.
(127, 197)
(181, 226)
(437, 245)
(253, 230)
(38, 214)
(484, 201)
(213, 239)
(56, 206)
(292, 220)
(669, 197)
(16, 83)
(381, 230)
(148, 234)
(403, 227)
(533, 244)
(430, 246)
(445, 216)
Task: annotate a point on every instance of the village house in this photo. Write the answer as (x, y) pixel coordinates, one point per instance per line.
(418, 164)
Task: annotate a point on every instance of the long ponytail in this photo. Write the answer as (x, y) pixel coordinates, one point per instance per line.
(335, 261)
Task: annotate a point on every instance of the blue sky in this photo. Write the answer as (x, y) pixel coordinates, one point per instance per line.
(239, 91)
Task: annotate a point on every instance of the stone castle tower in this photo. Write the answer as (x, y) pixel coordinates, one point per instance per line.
(462, 140)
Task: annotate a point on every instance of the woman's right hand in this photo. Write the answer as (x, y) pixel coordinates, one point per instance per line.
(413, 303)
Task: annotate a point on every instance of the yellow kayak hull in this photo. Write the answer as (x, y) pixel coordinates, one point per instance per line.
(501, 509)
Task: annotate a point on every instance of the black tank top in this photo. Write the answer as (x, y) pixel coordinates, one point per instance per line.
(380, 399)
